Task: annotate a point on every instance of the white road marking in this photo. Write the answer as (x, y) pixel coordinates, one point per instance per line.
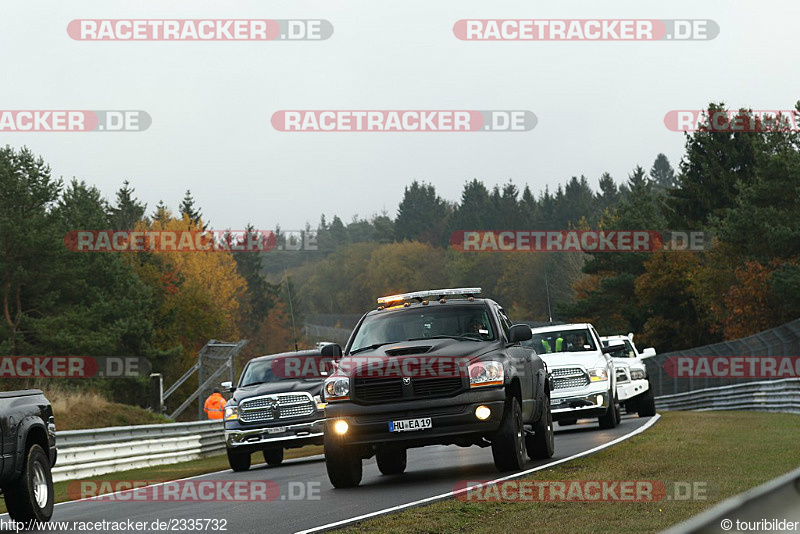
(442, 496)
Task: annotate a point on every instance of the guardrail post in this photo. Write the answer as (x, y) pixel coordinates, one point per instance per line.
(157, 393)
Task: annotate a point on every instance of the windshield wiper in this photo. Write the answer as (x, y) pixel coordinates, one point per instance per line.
(465, 338)
(370, 347)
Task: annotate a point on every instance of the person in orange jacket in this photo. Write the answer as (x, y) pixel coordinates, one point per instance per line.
(215, 405)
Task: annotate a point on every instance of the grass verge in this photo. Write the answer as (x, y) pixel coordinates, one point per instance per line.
(728, 451)
(176, 471)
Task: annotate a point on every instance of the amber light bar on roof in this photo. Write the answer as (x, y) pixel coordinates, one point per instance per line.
(436, 293)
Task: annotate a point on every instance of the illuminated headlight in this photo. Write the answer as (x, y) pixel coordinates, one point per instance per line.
(318, 402)
(637, 374)
(340, 427)
(599, 374)
(483, 412)
(231, 413)
(337, 389)
(486, 374)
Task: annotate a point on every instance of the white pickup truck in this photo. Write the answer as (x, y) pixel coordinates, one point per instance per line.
(582, 373)
(633, 385)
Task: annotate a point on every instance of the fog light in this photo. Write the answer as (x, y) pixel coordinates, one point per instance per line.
(599, 400)
(483, 412)
(340, 427)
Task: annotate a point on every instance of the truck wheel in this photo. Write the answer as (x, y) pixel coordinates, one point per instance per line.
(541, 445)
(273, 456)
(611, 417)
(391, 460)
(239, 461)
(31, 496)
(647, 404)
(342, 462)
(508, 443)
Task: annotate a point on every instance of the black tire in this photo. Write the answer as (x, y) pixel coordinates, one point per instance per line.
(568, 422)
(30, 497)
(239, 461)
(273, 456)
(508, 443)
(541, 445)
(342, 462)
(647, 404)
(611, 417)
(391, 460)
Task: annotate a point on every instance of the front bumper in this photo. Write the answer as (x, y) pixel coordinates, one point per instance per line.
(580, 404)
(296, 435)
(631, 389)
(453, 419)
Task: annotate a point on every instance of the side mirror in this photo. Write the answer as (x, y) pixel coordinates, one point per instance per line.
(332, 351)
(519, 332)
(613, 348)
(228, 386)
(649, 352)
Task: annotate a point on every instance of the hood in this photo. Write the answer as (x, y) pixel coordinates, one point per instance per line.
(588, 359)
(280, 386)
(423, 350)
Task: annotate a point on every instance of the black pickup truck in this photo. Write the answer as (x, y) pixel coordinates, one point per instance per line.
(28, 453)
(275, 406)
(438, 367)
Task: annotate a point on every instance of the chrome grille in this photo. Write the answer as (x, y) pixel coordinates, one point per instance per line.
(569, 377)
(290, 405)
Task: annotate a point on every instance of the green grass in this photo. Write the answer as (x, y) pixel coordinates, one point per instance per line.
(174, 471)
(728, 451)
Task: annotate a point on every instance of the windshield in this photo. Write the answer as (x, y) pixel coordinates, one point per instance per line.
(468, 322)
(561, 341)
(627, 352)
(275, 370)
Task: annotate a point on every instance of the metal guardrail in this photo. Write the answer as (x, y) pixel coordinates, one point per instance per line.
(767, 396)
(777, 500)
(86, 453)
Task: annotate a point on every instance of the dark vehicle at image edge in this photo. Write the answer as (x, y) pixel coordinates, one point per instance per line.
(270, 411)
(501, 401)
(28, 453)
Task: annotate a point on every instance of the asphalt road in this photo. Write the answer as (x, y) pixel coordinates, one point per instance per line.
(431, 471)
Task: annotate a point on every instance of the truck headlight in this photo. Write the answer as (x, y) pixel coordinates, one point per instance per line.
(231, 413)
(598, 374)
(486, 374)
(637, 374)
(337, 389)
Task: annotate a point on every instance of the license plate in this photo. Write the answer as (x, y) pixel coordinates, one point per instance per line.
(276, 430)
(406, 425)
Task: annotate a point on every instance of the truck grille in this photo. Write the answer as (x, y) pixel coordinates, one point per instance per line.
(378, 389)
(391, 389)
(569, 377)
(623, 374)
(260, 409)
(435, 387)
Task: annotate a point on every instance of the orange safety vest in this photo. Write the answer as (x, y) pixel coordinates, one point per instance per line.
(215, 406)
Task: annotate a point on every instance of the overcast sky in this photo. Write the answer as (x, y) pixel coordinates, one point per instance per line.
(600, 105)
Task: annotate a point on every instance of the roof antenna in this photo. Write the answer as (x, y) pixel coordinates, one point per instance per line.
(291, 308)
(547, 290)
